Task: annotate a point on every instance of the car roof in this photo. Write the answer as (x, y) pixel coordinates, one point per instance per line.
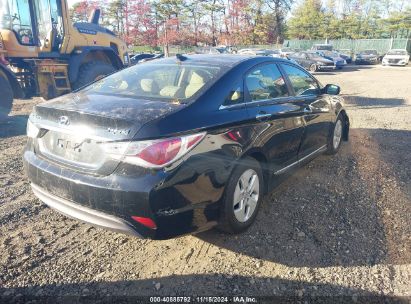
(225, 60)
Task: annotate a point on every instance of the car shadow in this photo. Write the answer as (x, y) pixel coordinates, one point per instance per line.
(372, 102)
(128, 291)
(13, 125)
(331, 213)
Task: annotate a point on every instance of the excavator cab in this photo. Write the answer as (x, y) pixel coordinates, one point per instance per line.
(34, 23)
(42, 53)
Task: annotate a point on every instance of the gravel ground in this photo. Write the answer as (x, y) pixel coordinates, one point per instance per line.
(340, 226)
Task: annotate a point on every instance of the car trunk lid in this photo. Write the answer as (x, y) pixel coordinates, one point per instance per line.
(74, 128)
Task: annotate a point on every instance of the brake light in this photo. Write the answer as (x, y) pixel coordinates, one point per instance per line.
(145, 221)
(162, 152)
(153, 153)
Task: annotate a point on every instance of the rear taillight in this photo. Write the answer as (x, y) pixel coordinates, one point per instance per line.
(162, 152)
(153, 153)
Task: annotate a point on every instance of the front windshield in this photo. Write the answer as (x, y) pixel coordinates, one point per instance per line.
(370, 52)
(397, 52)
(315, 57)
(164, 82)
(15, 16)
(329, 53)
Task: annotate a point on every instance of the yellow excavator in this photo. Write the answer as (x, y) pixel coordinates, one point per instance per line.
(42, 53)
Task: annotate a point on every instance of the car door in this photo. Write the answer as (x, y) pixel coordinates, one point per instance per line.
(277, 120)
(316, 106)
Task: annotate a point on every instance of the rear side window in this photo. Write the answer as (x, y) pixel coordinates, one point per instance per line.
(265, 82)
(301, 81)
(236, 95)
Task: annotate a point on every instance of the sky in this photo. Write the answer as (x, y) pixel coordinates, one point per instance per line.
(71, 2)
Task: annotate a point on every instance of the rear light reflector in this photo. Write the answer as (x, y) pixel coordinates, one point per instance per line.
(145, 221)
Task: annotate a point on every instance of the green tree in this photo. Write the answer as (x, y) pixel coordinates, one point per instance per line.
(307, 21)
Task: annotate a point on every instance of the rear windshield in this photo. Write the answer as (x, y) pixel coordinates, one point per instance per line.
(163, 82)
(370, 52)
(397, 52)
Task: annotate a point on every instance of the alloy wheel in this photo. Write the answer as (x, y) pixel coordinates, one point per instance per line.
(246, 195)
(337, 134)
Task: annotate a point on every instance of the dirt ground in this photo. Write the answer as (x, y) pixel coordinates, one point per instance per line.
(340, 226)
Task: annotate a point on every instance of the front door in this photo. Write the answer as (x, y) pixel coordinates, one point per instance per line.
(277, 120)
(316, 107)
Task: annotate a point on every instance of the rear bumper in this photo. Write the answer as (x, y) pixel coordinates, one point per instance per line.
(174, 200)
(84, 214)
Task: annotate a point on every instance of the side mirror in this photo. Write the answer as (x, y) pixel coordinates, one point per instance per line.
(332, 89)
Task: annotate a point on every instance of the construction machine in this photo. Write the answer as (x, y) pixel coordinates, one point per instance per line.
(42, 53)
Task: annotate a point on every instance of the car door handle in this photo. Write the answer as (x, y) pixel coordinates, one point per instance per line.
(262, 116)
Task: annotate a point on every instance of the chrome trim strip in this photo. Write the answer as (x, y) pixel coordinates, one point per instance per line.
(74, 132)
(84, 214)
(258, 102)
(319, 150)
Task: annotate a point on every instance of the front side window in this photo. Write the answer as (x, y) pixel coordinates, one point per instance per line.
(265, 82)
(163, 82)
(301, 81)
(15, 16)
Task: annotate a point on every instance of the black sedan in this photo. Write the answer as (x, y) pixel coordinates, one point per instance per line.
(367, 57)
(145, 57)
(182, 144)
(312, 61)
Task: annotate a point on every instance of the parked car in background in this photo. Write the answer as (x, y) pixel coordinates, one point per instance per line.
(253, 52)
(367, 57)
(346, 55)
(273, 53)
(396, 57)
(138, 57)
(284, 52)
(312, 61)
(339, 62)
(156, 56)
(180, 144)
(322, 47)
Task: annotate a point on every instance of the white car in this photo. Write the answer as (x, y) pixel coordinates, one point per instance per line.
(284, 52)
(396, 57)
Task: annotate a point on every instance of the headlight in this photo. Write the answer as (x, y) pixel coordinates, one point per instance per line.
(320, 63)
(32, 130)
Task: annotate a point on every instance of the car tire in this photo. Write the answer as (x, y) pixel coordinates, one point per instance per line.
(92, 71)
(241, 200)
(6, 100)
(313, 68)
(336, 136)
